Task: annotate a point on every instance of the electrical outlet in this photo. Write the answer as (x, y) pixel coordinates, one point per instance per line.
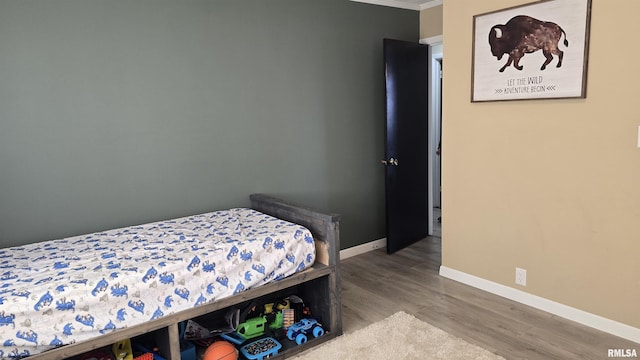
(521, 276)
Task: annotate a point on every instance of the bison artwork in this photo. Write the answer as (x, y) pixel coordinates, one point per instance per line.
(522, 35)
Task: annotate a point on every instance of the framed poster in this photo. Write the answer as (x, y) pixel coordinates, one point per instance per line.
(533, 51)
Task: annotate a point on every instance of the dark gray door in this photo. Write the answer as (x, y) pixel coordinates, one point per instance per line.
(406, 161)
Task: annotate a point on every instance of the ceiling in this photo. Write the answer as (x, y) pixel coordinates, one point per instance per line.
(405, 4)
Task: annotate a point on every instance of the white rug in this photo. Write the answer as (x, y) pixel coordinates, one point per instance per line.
(400, 336)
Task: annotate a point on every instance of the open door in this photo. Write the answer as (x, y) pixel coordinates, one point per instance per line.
(407, 161)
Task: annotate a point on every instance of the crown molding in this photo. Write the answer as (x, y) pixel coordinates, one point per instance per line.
(434, 40)
(391, 3)
(402, 4)
(430, 4)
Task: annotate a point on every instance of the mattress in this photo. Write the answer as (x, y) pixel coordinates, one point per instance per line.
(74, 289)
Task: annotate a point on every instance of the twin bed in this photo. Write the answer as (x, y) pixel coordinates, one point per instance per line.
(64, 297)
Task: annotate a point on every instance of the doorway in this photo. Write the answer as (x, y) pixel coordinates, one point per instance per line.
(407, 133)
(426, 132)
(434, 184)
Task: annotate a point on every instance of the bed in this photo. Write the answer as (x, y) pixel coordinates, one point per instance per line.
(79, 293)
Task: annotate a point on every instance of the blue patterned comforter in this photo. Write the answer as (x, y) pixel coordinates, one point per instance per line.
(64, 291)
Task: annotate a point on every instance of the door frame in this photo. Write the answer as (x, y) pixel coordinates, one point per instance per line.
(435, 113)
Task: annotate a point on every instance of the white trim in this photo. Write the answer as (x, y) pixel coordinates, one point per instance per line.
(434, 40)
(391, 3)
(430, 4)
(595, 321)
(433, 123)
(403, 5)
(363, 248)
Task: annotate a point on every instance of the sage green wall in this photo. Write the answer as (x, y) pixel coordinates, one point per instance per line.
(121, 112)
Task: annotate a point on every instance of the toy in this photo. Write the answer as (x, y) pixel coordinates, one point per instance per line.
(252, 327)
(97, 355)
(277, 306)
(255, 327)
(145, 356)
(221, 350)
(289, 317)
(299, 330)
(140, 352)
(122, 350)
(261, 349)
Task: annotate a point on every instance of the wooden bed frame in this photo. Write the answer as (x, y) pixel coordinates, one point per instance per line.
(320, 286)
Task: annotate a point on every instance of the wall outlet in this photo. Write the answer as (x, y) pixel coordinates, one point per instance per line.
(521, 276)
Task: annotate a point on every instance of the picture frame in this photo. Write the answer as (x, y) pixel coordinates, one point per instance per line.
(532, 51)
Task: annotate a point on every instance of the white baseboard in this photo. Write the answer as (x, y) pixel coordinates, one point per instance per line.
(567, 312)
(363, 248)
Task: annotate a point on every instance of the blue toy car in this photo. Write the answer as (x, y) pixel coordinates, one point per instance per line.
(299, 330)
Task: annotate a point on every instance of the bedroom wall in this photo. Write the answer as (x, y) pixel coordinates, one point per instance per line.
(118, 112)
(550, 186)
(431, 22)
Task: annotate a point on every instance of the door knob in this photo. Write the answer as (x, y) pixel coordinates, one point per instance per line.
(390, 162)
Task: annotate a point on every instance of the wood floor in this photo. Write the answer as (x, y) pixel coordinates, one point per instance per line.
(376, 285)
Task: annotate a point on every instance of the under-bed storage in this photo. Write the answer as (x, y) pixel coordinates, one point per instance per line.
(322, 281)
(313, 291)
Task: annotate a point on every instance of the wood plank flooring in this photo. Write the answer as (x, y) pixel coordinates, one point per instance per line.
(376, 285)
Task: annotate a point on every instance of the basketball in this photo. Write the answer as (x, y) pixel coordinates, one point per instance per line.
(221, 350)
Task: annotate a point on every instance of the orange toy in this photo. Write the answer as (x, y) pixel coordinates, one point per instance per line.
(221, 350)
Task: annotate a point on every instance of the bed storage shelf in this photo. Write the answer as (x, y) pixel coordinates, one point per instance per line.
(320, 285)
